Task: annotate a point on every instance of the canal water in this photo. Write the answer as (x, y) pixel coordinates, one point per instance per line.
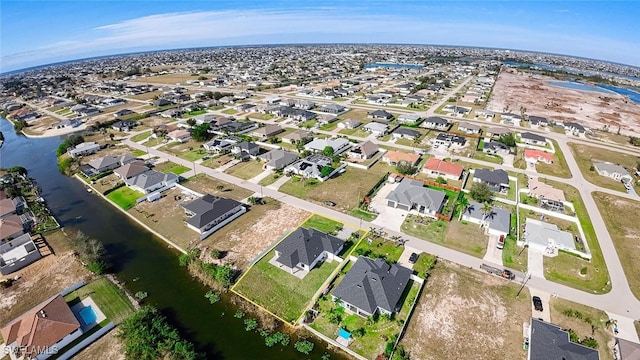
(135, 253)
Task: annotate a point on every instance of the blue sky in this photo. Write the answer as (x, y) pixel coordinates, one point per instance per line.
(41, 32)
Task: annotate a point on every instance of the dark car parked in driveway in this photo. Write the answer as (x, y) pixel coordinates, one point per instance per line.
(537, 303)
(413, 258)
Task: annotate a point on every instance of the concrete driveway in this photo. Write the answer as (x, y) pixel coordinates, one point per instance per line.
(536, 265)
(545, 297)
(507, 160)
(388, 217)
(493, 255)
(406, 254)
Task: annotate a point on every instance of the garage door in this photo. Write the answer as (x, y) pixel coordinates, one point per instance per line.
(391, 203)
(403, 207)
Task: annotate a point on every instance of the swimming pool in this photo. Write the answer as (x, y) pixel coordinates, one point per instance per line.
(88, 315)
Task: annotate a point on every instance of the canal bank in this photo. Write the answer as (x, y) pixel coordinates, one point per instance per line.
(141, 261)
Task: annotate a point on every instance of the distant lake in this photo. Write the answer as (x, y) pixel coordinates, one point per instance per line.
(634, 96)
(578, 86)
(393, 66)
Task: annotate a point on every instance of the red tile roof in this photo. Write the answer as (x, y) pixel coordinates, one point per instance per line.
(444, 167)
(538, 155)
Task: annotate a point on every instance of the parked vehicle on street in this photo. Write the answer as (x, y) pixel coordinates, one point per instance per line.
(507, 274)
(329, 203)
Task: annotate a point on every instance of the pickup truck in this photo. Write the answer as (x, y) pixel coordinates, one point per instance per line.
(507, 274)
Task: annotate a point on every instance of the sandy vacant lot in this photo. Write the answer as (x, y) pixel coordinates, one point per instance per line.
(465, 314)
(515, 89)
(107, 347)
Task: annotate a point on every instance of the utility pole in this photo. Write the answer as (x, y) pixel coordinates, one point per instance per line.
(526, 278)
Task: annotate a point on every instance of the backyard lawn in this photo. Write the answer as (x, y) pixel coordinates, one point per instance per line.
(110, 299)
(246, 170)
(566, 269)
(280, 292)
(585, 157)
(363, 214)
(623, 231)
(559, 166)
(586, 322)
(323, 224)
(193, 155)
(346, 189)
(125, 197)
(379, 248)
(171, 167)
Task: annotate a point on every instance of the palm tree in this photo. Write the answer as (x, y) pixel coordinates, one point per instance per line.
(464, 203)
(486, 210)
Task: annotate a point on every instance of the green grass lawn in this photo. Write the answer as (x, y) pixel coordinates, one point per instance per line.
(280, 292)
(112, 301)
(431, 230)
(372, 343)
(323, 224)
(193, 155)
(363, 214)
(559, 166)
(479, 155)
(153, 142)
(270, 179)
(138, 153)
(513, 256)
(141, 136)
(195, 113)
(169, 166)
(425, 261)
(125, 197)
(307, 124)
(229, 111)
(586, 155)
(347, 131)
(329, 126)
(565, 268)
(246, 170)
(379, 248)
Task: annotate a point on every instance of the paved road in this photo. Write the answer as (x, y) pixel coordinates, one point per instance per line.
(617, 302)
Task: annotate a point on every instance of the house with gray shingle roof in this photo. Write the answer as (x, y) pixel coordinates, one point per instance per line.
(496, 222)
(533, 139)
(616, 172)
(372, 286)
(131, 169)
(548, 341)
(413, 195)
(209, 213)
(305, 248)
(405, 133)
(498, 180)
(110, 162)
(151, 180)
(278, 159)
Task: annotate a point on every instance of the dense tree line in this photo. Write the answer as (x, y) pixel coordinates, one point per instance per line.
(72, 140)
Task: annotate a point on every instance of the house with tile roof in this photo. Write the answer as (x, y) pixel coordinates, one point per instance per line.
(534, 155)
(413, 195)
(393, 157)
(436, 167)
(209, 213)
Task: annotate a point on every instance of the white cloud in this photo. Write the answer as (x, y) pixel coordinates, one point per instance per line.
(211, 28)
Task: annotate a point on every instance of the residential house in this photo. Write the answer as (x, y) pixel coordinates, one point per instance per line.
(372, 286)
(310, 167)
(549, 197)
(236, 127)
(533, 139)
(626, 350)
(349, 124)
(413, 195)
(42, 331)
(86, 148)
(267, 131)
(536, 121)
(304, 105)
(245, 149)
(409, 118)
(303, 249)
(544, 237)
(298, 136)
(469, 128)
(300, 115)
(13, 225)
(393, 157)
(9, 206)
(363, 151)
(376, 129)
(17, 253)
(179, 135)
(332, 109)
(498, 180)
(496, 148)
(278, 159)
(124, 125)
(130, 170)
(486, 114)
(533, 156)
(498, 131)
(510, 118)
(152, 181)
(548, 341)
(496, 222)
(448, 140)
(456, 110)
(209, 213)
(574, 128)
(221, 145)
(68, 123)
(616, 172)
(110, 162)
(338, 145)
(405, 133)
(123, 112)
(437, 123)
(380, 114)
(436, 168)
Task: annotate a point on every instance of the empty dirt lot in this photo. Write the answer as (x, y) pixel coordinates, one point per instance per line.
(489, 327)
(517, 89)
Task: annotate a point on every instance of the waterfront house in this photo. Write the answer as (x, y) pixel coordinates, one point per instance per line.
(110, 162)
(17, 253)
(42, 331)
(303, 249)
(85, 148)
(372, 286)
(152, 181)
(130, 170)
(209, 213)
